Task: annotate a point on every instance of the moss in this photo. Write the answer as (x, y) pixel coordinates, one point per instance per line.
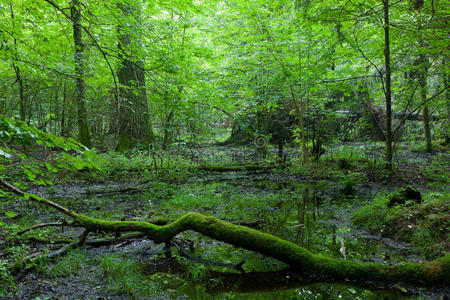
(423, 225)
(297, 257)
(402, 195)
(436, 272)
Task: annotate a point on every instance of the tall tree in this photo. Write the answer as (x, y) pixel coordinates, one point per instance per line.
(133, 120)
(387, 88)
(80, 89)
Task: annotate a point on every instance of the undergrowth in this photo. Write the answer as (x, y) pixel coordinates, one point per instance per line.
(424, 225)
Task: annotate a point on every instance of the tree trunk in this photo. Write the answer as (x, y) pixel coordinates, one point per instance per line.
(22, 100)
(436, 272)
(133, 120)
(447, 102)
(427, 129)
(63, 111)
(423, 94)
(80, 90)
(167, 130)
(387, 63)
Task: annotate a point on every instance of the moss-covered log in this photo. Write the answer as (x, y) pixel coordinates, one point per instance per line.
(236, 168)
(428, 273)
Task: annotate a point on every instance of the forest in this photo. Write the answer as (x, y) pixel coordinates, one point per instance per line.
(224, 149)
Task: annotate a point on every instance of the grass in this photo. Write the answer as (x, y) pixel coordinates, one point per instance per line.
(126, 276)
(71, 263)
(423, 225)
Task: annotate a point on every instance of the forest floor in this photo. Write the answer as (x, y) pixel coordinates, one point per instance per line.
(312, 205)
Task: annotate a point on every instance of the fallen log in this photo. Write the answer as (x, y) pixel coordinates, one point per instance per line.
(236, 168)
(435, 272)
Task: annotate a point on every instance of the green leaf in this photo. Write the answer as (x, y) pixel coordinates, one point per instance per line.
(4, 154)
(10, 214)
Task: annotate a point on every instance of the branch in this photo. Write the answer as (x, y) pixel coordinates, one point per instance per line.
(436, 272)
(97, 45)
(63, 223)
(37, 199)
(418, 108)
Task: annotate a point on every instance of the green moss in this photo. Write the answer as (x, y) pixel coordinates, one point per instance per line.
(403, 195)
(423, 225)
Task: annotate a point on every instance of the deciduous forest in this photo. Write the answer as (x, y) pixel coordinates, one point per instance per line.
(224, 149)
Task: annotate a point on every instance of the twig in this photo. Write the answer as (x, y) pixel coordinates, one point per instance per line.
(19, 192)
(63, 223)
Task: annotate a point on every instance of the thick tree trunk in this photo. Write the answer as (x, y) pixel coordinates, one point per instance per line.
(133, 120)
(80, 90)
(436, 272)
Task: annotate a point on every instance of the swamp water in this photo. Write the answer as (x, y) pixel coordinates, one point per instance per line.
(312, 214)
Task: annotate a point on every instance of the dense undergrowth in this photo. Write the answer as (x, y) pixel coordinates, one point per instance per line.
(424, 225)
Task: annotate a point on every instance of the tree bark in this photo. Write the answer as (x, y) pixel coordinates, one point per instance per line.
(388, 91)
(133, 120)
(436, 272)
(447, 102)
(80, 89)
(423, 94)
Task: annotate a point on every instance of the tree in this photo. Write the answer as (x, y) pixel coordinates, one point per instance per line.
(133, 119)
(387, 85)
(80, 90)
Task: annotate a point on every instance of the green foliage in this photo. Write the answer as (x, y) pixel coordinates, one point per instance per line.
(126, 276)
(22, 144)
(349, 181)
(7, 283)
(423, 225)
(72, 263)
(438, 172)
(374, 215)
(197, 273)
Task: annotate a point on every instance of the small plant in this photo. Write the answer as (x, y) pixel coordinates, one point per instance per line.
(7, 284)
(70, 263)
(348, 181)
(197, 273)
(126, 276)
(372, 216)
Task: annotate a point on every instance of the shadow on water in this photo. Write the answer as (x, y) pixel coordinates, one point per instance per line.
(281, 284)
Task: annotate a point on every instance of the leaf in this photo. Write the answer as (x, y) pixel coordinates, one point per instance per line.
(4, 154)
(79, 165)
(401, 289)
(10, 214)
